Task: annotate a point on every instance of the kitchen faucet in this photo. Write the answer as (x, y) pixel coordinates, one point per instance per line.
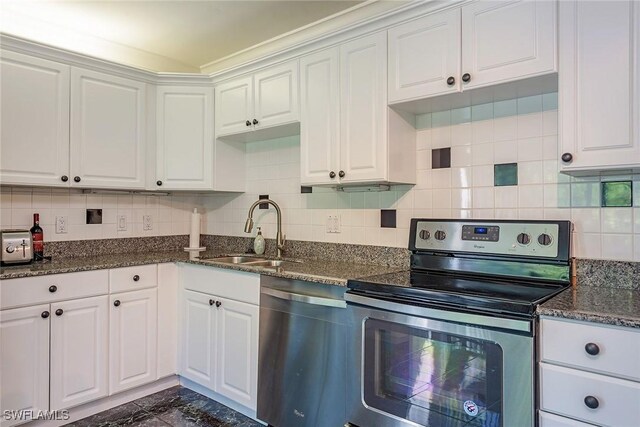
(280, 238)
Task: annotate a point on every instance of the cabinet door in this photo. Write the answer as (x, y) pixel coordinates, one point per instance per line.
(234, 106)
(319, 118)
(132, 339)
(24, 360)
(508, 40)
(276, 95)
(363, 108)
(237, 351)
(34, 127)
(107, 130)
(599, 87)
(423, 54)
(185, 138)
(197, 358)
(79, 351)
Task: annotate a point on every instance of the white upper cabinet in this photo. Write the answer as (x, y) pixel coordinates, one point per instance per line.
(276, 96)
(234, 106)
(319, 117)
(363, 105)
(264, 100)
(599, 87)
(34, 128)
(504, 41)
(24, 360)
(79, 351)
(107, 131)
(424, 57)
(480, 44)
(347, 130)
(184, 149)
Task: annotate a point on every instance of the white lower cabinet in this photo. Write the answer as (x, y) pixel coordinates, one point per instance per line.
(133, 332)
(198, 338)
(219, 334)
(237, 352)
(24, 360)
(588, 374)
(79, 343)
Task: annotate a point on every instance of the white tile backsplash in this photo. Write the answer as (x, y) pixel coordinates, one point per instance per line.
(522, 131)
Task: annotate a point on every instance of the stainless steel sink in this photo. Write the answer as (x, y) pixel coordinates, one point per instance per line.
(266, 263)
(235, 259)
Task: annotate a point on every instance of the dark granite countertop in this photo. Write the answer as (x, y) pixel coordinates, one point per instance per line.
(612, 306)
(314, 270)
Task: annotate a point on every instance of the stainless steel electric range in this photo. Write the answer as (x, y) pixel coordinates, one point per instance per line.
(450, 342)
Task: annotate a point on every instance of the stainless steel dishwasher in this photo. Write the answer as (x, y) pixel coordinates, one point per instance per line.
(302, 357)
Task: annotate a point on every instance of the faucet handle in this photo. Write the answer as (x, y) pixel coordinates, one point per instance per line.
(282, 242)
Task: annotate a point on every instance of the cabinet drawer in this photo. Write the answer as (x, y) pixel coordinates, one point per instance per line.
(550, 420)
(54, 287)
(236, 285)
(563, 391)
(133, 278)
(618, 350)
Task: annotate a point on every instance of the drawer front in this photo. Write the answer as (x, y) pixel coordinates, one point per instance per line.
(563, 392)
(549, 420)
(236, 285)
(618, 350)
(133, 278)
(52, 288)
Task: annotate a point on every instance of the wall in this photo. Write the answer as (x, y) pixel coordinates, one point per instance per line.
(170, 214)
(522, 131)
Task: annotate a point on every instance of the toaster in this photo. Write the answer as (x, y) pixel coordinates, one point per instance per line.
(17, 246)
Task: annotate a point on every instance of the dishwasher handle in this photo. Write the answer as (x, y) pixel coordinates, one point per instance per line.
(307, 299)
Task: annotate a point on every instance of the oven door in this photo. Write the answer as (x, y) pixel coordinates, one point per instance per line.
(418, 366)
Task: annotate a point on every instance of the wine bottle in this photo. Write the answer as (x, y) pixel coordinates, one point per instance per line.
(38, 236)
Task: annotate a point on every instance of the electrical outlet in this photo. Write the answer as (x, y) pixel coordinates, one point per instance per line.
(333, 224)
(61, 224)
(147, 223)
(122, 223)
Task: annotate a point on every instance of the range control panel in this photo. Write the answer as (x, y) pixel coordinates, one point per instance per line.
(533, 239)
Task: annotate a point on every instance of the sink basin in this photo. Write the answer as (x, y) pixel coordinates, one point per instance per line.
(265, 263)
(236, 259)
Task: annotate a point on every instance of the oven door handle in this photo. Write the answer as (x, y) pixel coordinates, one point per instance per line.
(307, 299)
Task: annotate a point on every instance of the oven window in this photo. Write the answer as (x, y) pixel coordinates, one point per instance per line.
(432, 378)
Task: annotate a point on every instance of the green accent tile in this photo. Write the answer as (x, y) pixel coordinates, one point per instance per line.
(585, 194)
(357, 200)
(564, 195)
(423, 121)
(617, 194)
(441, 118)
(530, 104)
(505, 174)
(505, 108)
(482, 112)
(460, 115)
(550, 101)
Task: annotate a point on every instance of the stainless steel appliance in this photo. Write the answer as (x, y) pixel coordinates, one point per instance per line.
(450, 342)
(17, 246)
(302, 369)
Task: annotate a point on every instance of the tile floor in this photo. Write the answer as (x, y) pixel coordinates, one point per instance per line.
(176, 406)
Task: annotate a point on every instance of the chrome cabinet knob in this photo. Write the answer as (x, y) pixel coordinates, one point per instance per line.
(247, 123)
(451, 81)
(341, 174)
(592, 349)
(591, 402)
(567, 157)
(466, 77)
(332, 174)
(64, 178)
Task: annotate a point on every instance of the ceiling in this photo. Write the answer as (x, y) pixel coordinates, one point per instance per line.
(173, 35)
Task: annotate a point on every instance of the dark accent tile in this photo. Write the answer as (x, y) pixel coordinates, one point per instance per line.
(94, 216)
(263, 205)
(441, 158)
(388, 218)
(617, 194)
(505, 174)
(305, 190)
